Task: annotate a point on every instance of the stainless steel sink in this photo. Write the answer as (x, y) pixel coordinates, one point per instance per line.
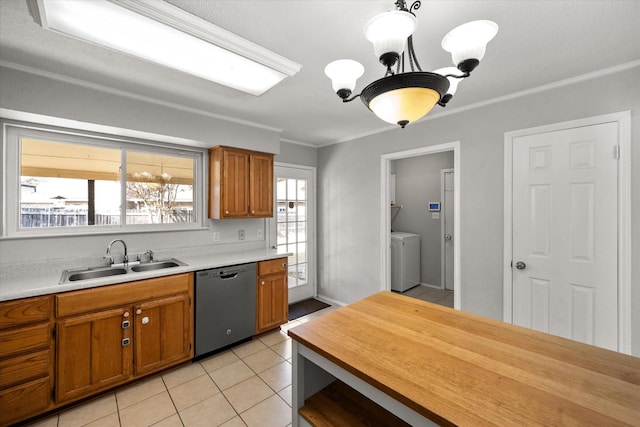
(159, 265)
(98, 272)
(93, 274)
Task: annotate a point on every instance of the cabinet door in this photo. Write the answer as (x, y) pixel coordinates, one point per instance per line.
(272, 308)
(261, 185)
(94, 352)
(163, 333)
(235, 184)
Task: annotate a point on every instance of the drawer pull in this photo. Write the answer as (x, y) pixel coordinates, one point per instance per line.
(126, 324)
(126, 341)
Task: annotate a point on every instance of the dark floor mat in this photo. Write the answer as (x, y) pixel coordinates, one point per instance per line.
(305, 307)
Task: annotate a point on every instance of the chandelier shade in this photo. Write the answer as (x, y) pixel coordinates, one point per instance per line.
(406, 97)
(343, 74)
(388, 32)
(401, 97)
(469, 41)
(453, 81)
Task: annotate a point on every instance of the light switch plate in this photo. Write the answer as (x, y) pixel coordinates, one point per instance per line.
(240, 234)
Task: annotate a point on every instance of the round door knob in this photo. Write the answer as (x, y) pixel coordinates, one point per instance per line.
(521, 265)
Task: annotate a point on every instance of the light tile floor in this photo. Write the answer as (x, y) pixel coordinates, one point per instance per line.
(434, 295)
(247, 385)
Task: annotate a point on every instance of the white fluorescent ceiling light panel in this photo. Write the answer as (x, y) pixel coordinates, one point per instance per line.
(164, 34)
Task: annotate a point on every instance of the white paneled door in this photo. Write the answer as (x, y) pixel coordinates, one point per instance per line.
(565, 219)
(292, 229)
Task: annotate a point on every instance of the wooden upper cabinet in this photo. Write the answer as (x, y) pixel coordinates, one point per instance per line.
(240, 183)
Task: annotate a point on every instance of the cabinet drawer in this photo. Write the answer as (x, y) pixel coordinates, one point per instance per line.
(24, 368)
(22, 340)
(23, 401)
(84, 301)
(23, 311)
(272, 266)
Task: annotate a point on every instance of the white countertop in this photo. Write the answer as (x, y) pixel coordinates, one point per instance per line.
(44, 283)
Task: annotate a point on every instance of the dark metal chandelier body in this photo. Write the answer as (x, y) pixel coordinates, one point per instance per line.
(400, 96)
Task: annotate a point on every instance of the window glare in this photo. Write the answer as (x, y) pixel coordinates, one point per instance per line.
(159, 188)
(68, 184)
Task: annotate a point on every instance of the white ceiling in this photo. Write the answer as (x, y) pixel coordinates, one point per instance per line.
(539, 42)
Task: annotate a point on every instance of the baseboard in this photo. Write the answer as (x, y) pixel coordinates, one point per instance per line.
(331, 300)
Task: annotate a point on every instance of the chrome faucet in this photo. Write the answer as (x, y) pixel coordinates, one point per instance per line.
(110, 257)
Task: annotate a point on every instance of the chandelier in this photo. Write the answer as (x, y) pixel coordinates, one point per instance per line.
(403, 97)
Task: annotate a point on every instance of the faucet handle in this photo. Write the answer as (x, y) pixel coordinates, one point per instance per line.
(146, 256)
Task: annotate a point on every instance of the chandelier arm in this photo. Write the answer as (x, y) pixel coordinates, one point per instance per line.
(464, 76)
(412, 55)
(350, 99)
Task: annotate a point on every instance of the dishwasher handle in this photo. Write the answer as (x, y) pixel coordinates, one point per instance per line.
(229, 276)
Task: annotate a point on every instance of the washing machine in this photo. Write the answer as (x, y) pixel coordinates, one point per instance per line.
(405, 260)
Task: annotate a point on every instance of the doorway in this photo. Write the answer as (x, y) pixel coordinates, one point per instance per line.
(566, 230)
(292, 229)
(386, 214)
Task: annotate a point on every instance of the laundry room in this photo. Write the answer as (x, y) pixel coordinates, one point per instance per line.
(422, 226)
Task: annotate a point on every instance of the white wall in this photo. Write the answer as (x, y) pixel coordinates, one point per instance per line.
(349, 194)
(417, 183)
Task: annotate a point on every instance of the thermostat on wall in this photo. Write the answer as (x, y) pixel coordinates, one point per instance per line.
(434, 206)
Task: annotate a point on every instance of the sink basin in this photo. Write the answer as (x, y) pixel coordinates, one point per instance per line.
(94, 274)
(98, 272)
(155, 266)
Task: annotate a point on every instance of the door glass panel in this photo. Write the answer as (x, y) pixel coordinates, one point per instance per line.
(291, 200)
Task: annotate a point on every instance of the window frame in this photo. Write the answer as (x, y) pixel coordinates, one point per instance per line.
(13, 131)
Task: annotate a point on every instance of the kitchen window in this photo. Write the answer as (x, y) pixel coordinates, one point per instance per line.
(61, 182)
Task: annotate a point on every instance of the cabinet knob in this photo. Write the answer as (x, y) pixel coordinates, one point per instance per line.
(139, 311)
(252, 211)
(226, 212)
(262, 282)
(284, 264)
(125, 314)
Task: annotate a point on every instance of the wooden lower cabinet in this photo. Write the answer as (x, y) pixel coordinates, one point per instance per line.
(100, 345)
(26, 358)
(163, 330)
(272, 307)
(94, 353)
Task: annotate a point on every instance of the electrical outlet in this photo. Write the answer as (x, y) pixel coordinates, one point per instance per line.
(259, 233)
(216, 236)
(240, 234)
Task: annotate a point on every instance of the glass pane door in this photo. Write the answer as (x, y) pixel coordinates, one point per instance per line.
(291, 225)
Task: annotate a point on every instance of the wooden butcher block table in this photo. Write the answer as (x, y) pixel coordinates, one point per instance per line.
(422, 364)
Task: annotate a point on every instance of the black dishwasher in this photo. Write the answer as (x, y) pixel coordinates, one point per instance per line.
(225, 306)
